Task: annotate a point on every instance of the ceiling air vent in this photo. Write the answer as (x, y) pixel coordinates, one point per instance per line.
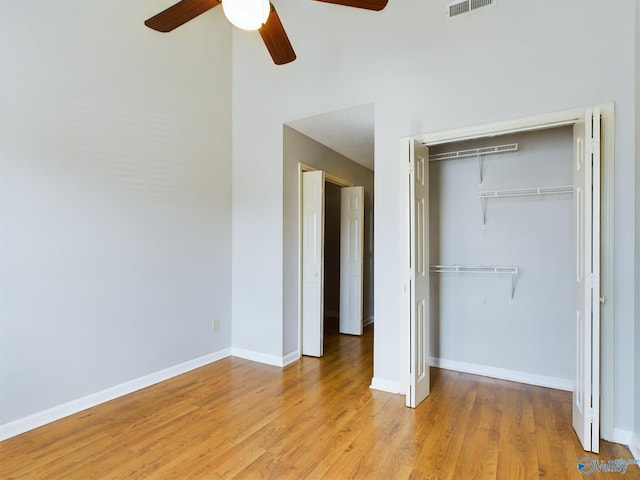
(467, 6)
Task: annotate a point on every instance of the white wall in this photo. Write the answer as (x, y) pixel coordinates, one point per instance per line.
(424, 74)
(474, 325)
(115, 199)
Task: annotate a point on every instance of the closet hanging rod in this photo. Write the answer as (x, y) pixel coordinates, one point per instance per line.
(523, 192)
(474, 152)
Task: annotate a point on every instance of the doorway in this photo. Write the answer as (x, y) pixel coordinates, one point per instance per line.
(332, 256)
(340, 143)
(416, 151)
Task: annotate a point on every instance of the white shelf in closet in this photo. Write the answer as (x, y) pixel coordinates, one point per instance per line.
(481, 269)
(519, 192)
(480, 153)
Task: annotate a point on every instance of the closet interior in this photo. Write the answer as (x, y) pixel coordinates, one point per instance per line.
(502, 256)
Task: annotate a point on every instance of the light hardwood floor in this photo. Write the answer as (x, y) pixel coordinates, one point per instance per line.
(315, 419)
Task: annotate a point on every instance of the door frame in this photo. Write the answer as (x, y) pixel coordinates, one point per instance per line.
(540, 122)
(328, 177)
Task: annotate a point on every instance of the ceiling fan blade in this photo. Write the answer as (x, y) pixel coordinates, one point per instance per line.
(179, 14)
(276, 40)
(376, 5)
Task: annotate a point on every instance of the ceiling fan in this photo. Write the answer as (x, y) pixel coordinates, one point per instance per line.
(258, 15)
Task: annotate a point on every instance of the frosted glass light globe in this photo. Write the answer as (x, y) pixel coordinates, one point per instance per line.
(246, 14)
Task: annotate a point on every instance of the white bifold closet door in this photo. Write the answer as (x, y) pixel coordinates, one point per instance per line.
(313, 263)
(351, 259)
(586, 394)
(417, 156)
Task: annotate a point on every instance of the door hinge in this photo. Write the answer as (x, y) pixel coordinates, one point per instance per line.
(592, 145)
(593, 281)
(588, 146)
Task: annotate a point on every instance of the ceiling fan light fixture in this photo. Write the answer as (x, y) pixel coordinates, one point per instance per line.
(258, 15)
(247, 14)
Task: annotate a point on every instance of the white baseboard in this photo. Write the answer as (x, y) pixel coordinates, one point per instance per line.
(292, 357)
(259, 357)
(621, 436)
(634, 446)
(390, 386)
(504, 374)
(39, 419)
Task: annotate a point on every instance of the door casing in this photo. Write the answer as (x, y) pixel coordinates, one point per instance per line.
(539, 122)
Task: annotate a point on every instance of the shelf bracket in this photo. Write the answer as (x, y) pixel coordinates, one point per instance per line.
(483, 203)
(514, 279)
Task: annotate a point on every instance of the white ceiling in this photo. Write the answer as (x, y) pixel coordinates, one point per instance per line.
(349, 132)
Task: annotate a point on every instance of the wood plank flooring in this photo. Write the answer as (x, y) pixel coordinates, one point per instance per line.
(315, 419)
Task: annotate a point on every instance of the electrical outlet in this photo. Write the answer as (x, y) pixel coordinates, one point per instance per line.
(216, 325)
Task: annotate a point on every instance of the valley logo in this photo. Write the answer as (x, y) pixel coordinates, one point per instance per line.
(587, 466)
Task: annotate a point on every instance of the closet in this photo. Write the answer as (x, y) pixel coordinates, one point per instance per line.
(502, 257)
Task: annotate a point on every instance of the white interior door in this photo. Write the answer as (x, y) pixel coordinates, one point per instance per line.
(312, 263)
(418, 265)
(586, 394)
(351, 259)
